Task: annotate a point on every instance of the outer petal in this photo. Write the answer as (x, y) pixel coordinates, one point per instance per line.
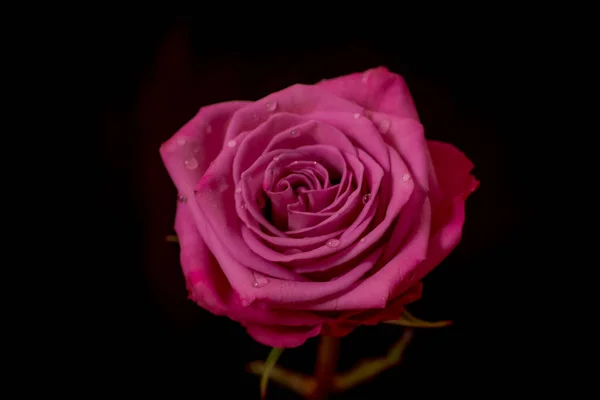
(377, 89)
(452, 169)
(280, 336)
(201, 139)
(350, 320)
(209, 287)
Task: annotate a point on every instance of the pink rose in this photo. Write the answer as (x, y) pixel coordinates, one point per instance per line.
(315, 209)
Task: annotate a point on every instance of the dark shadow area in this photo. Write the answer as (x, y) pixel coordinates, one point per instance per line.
(153, 75)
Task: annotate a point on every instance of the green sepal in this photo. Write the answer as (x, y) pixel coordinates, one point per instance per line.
(408, 320)
(269, 364)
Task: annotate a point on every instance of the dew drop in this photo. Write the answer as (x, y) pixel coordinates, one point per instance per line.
(366, 76)
(271, 106)
(243, 206)
(191, 163)
(260, 282)
(222, 185)
(260, 202)
(356, 115)
(208, 129)
(246, 302)
(231, 143)
(314, 163)
(181, 141)
(291, 252)
(384, 126)
(333, 243)
(294, 162)
(276, 158)
(362, 240)
(295, 133)
(181, 198)
(366, 198)
(238, 190)
(406, 177)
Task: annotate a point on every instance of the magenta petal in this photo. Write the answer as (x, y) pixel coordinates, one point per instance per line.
(283, 249)
(400, 194)
(281, 336)
(375, 89)
(294, 293)
(452, 169)
(317, 200)
(200, 140)
(209, 287)
(402, 270)
(300, 219)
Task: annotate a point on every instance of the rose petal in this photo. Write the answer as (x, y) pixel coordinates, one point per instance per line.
(452, 169)
(200, 140)
(296, 99)
(210, 288)
(249, 183)
(401, 193)
(350, 320)
(295, 293)
(374, 291)
(375, 89)
(280, 336)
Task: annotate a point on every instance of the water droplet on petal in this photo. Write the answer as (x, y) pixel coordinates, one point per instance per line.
(238, 190)
(366, 76)
(231, 143)
(366, 198)
(191, 163)
(222, 185)
(246, 302)
(384, 126)
(314, 163)
(294, 162)
(295, 133)
(271, 106)
(406, 177)
(181, 141)
(260, 282)
(243, 206)
(356, 115)
(291, 252)
(362, 240)
(276, 158)
(333, 243)
(208, 129)
(181, 198)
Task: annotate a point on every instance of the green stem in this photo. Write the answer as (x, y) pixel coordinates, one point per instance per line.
(327, 357)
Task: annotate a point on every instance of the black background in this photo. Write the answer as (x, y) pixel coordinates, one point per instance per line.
(150, 74)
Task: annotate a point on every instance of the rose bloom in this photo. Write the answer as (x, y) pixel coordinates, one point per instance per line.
(316, 209)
